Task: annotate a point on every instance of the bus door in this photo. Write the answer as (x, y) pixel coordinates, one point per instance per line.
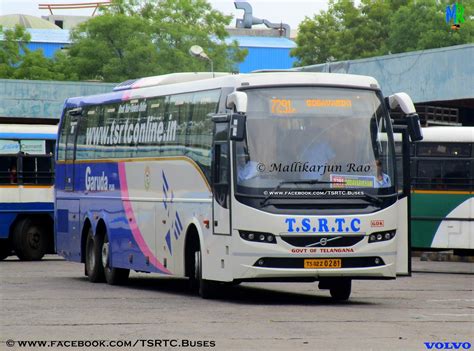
(221, 177)
(404, 199)
(70, 152)
(410, 130)
(67, 226)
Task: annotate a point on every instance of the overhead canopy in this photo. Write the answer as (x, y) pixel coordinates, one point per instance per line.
(10, 21)
(427, 75)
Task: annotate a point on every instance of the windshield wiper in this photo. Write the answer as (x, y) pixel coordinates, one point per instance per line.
(312, 181)
(377, 199)
(372, 198)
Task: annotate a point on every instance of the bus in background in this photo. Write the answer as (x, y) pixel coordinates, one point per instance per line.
(442, 206)
(26, 187)
(272, 176)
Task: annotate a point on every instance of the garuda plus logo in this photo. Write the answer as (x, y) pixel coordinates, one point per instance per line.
(455, 13)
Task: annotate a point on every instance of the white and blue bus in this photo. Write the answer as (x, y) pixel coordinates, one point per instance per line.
(26, 187)
(275, 176)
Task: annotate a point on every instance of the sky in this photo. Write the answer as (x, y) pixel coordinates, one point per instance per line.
(276, 11)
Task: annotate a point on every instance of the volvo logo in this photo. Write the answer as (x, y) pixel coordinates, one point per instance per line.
(323, 241)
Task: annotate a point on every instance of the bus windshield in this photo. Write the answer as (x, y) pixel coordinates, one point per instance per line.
(316, 137)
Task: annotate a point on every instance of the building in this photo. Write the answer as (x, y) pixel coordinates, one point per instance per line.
(265, 52)
(268, 46)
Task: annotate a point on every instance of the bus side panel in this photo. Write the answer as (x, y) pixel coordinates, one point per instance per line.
(455, 233)
(429, 208)
(6, 220)
(18, 200)
(104, 195)
(162, 206)
(67, 221)
(403, 267)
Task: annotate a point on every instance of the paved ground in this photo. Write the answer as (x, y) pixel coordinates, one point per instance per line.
(52, 300)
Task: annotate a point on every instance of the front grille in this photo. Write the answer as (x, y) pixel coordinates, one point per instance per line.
(347, 262)
(322, 241)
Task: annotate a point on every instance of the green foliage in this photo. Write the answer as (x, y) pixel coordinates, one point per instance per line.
(11, 46)
(130, 39)
(134, 38)
(423, 26)
(19, 62)
(378, 27)
(113, 47)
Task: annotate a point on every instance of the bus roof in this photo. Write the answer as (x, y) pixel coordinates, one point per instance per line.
(448, 134)
(135, 89)
(28, 131)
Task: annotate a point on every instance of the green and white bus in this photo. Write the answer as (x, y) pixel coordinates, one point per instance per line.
(442, 206)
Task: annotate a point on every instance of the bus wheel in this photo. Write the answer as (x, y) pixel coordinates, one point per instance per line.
(94, 268)
(29, 240)
(113, 276)
(5, 249)
(207, 289)
(341, 289)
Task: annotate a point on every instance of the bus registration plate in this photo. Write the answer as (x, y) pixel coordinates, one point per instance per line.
(323, 263)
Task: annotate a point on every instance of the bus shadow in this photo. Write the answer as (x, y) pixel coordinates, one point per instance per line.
(233, 294)
(251, 295)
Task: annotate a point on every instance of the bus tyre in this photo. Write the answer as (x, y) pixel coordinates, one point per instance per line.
(29, 240)
(5, 249)
(113, 276)
(340, 290)
(207, 288)
(94, 268)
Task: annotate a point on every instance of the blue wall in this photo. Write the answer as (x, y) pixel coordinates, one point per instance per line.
(266, 58)
(265, 52)
(48, 48)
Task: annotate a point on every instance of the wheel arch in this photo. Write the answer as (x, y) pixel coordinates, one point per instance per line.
(98, 227)
(193, 241)
(85, 231)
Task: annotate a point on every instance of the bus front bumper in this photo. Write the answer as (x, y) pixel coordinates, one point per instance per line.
(281, 268)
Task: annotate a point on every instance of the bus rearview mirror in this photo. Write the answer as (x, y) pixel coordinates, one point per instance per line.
(237, 101)
(237, 127)
(414, 127)
(412, 120)
(404, 101)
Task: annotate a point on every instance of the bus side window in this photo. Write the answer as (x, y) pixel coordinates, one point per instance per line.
(443, 174)
(8, 170)
(199, 132)
(457, 174)
(44, 171)
(428, 175)
(29, 170)
(65, 129)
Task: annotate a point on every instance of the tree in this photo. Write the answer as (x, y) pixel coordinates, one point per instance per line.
(344, 32)
(12, 45)
(422, 25)
(179, 24)
(136, 38)
(315, 41)
(19, 62)
(113, 47)
(378, 27)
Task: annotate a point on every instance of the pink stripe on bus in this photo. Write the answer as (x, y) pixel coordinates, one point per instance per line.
(133, 223)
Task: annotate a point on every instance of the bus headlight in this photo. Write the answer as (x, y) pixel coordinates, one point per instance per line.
(258, 237)
(381, 236)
